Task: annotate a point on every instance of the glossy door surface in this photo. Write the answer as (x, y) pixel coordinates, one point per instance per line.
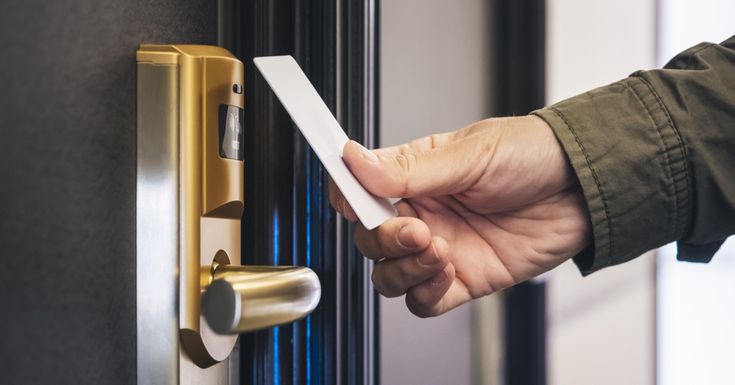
(287, 215)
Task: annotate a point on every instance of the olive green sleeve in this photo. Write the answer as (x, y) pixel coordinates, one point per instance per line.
(655, 156)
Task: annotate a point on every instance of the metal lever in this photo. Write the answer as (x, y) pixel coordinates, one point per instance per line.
(246, 298)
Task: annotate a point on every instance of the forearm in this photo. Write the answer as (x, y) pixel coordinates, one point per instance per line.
(653, 153)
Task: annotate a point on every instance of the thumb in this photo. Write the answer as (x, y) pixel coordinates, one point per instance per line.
(437, 171)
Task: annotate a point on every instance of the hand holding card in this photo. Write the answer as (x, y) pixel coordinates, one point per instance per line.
(324, 134)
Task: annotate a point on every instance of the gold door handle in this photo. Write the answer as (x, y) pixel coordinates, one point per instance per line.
(247, 298)
(191, 98)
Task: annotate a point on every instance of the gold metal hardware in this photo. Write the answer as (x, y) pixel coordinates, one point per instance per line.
(247, 298)
(199, 80)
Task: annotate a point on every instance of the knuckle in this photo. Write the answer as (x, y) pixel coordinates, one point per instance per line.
(385, 238)
(413, 273)
(434, 140)
(419, 309)
(360, 241)
(383, 285)
(336, 202)
(342, 205)
(377, 282)
(405, 148)
(388, 238)
(404, 274)
(366, 243)
(406, 164)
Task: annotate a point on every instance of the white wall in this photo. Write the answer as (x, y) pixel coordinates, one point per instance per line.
(684, 23)
(434, 78)
(696, 333)
(602, 327)
(591, 43)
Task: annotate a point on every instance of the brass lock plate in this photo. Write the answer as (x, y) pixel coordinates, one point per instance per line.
(190, 104)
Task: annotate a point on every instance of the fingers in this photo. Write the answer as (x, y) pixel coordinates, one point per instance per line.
(429, 298)
(394, 277)
(403, 173)
(410, 262)
(338, 201)
(401, 152)
(396, 237)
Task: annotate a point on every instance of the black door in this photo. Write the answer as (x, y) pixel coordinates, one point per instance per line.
(67, 183)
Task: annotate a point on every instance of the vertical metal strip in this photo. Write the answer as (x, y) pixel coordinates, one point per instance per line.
(369, 297)
(157, 222)
(340, 224)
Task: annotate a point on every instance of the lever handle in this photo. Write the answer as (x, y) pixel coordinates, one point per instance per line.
(246, 298)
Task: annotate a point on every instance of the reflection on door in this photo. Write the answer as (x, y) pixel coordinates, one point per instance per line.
(287, 218)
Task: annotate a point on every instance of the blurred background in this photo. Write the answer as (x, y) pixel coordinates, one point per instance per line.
(391, 71)
(651, 321)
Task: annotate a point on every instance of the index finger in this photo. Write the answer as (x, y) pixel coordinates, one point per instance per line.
(339, 203)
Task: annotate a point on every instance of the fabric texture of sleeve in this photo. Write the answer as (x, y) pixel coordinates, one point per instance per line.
(655, 156)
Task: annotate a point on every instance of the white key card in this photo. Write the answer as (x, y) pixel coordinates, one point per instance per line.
(323, 133)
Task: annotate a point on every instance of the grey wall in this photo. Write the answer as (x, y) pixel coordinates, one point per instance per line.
(435, 77)
(67, 181)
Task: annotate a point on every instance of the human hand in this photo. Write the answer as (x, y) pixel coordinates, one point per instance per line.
(485, 207)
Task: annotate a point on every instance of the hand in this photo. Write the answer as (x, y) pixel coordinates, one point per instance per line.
(484, 208)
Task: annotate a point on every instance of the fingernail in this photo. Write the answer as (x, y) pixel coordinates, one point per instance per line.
(368, 155)
(439, 278)
(430, 257)
(405, 238)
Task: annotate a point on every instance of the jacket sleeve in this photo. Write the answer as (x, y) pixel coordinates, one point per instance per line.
(655, 156)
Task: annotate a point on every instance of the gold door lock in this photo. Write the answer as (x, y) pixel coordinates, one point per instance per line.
(197, 92)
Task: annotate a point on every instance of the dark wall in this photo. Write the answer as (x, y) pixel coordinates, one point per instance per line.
(67, 181)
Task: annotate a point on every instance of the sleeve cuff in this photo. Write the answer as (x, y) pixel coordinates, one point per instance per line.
(631, 164)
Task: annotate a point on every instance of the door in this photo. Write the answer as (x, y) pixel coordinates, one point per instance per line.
(289, 220)
(334, 41)
(68, 190)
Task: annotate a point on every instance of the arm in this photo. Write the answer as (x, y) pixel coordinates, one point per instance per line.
(655, 156)
(601, 177)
